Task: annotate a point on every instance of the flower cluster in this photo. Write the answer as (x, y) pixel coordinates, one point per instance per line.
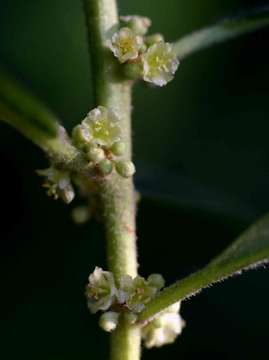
(99, 136)
(164, 328)
(130, 296)
(58, 184)
(147, 57)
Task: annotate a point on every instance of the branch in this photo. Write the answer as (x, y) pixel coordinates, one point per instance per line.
(224, 30)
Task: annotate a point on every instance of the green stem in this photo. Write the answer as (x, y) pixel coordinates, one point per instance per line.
(117, 194)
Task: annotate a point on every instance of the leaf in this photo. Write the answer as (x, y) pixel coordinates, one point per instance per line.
(183, 193)
(23, 111)
(224, 30)
(250, 250)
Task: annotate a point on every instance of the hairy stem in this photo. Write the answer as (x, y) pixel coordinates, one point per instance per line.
(117, 194)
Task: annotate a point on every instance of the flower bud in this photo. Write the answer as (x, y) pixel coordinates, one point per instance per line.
(95, 154)
(139, 24)
(109, 321)
(125, 168)
(130, 317)
(154, 38)
(80, 214)
(81, 135)
(133, 71)
(118, 148)
(67, 194)
(105, 167)
(156, 280)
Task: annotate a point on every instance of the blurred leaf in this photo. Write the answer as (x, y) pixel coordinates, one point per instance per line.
(23, 111)
(183, 193)
(250, 250)
(224, 30)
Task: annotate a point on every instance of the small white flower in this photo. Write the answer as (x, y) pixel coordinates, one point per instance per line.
(125, 45)
(101, 290)
(103, 126)
(135, 293)
(159, 64)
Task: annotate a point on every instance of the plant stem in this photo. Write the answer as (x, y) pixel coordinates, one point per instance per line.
(117, 194)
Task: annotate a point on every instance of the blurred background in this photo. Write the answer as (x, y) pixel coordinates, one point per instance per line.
(202, 151)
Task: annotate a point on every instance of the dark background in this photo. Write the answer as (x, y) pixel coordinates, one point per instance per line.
(201, 149)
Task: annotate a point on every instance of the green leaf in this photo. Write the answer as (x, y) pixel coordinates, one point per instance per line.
(224, 30)
(250, 250)
(23, 111)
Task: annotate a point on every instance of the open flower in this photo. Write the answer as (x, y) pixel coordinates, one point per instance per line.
(125, 45)
(103, 126)
(101, 290)
(135, 293)
(159, 63)
(58, 184)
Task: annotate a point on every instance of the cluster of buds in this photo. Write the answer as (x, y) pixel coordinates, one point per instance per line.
(99, 136)
(164, 328)
(129, 297)
(58, 184)
(147, 57)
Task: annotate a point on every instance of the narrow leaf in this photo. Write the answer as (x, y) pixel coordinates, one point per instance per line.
(250, 250)
(20, 109)
(224, 30)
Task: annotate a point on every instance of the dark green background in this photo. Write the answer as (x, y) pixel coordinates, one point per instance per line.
(201, 148)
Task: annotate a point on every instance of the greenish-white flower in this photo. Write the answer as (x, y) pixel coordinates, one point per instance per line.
(164, 329)
(125, 44)
(103, 126)
(101, 291)
(135, 293)
(159, 64)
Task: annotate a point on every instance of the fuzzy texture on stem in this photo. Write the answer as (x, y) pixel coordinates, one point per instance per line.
(117, 194)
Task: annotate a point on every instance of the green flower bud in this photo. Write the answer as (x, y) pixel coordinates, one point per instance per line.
(138, 24)
(105, 167)
(103, 126)
(125, 168)
(154, 38)
(101, 291)
(133, 71)
(125, 45)
(156, 280)
(159, 64)
(109, 321)
(95, 154)
(130, 317)
(118, 148)
(80, 214)
(81, 135)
